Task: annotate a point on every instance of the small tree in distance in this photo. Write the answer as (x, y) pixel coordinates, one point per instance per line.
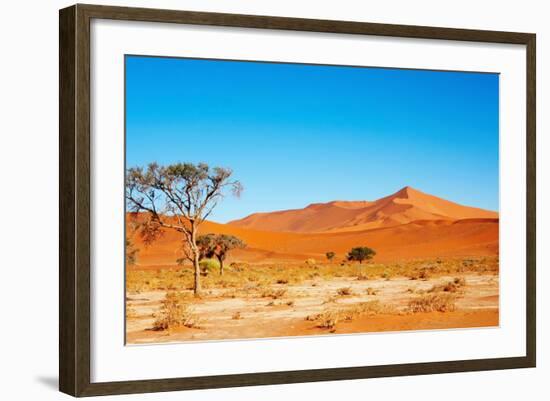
(177, 197)
(361, 253)
(330, 255)
(218, 246)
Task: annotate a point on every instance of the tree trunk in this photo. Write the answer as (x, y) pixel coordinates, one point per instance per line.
(196, 256)
(221, 267)
(197, 289)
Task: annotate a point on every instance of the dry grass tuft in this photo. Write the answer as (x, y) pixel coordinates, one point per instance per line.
(440, 302)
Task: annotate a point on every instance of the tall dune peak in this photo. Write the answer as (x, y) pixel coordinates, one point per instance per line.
(402, 207)
(407, 192)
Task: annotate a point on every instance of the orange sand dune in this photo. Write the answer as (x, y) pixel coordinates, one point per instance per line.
(402, 207)
(417, 239)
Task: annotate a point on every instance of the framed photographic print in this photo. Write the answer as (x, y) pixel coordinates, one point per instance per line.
(250, 200)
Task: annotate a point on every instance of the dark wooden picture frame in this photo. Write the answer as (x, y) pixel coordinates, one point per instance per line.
(74, 200)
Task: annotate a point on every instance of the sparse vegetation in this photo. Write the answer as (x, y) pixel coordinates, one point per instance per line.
(181, 278)
(272, 286)
(330, 255)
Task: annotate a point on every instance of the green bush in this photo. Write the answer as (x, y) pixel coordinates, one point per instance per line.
(209, 266)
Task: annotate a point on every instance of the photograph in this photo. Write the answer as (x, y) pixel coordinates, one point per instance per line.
(275, 199)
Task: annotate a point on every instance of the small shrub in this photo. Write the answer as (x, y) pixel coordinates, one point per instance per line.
(327, 320)
(236, 316)
(174, 312)
(344, 291)
(362, 277)
(310, 262)
(282, 281)
(451, 286)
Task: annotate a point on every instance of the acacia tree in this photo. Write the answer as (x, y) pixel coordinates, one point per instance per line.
(177, 197)
(219, 246)
(361, 253)
(330, 255)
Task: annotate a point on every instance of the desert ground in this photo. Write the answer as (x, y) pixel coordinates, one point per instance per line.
(436, 267)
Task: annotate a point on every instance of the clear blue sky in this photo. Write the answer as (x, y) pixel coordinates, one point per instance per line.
(299, 134)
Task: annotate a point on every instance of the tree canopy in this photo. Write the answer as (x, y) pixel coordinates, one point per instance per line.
(218, 245)
(361, 253)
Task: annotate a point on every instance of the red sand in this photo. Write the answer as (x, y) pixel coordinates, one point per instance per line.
(420, 239)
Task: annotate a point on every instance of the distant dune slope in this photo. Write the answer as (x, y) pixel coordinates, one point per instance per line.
(418, 239)
(403, 207)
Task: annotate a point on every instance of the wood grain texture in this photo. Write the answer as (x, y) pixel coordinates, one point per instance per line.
(74, 199)
(67, 130)
(531, 229)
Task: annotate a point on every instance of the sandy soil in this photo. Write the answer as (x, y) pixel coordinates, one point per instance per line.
(226, 315)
